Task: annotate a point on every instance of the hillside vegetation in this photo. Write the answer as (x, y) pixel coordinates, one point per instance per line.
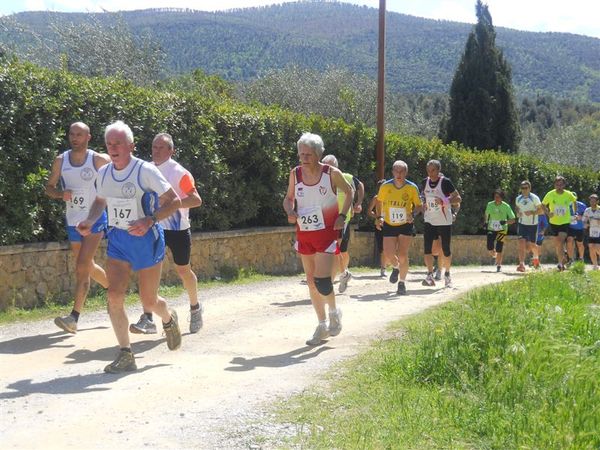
(422, 54)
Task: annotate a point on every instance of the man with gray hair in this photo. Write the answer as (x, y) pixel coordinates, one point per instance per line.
(344, 238)
(138, 197)
(176, 227)
(441, 204)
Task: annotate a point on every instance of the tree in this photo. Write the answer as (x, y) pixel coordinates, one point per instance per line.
(483, 114)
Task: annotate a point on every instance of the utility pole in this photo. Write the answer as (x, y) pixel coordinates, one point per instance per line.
(381, 94)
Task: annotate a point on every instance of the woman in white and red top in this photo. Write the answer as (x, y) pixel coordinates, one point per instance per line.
(311, 203)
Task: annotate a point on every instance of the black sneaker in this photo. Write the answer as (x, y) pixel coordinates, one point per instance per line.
(394, 276)
(401, 289)
(498, 268)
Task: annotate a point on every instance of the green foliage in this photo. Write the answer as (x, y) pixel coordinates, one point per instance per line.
(422, 54)
(240, 155)
(482, 109)
(515, 365)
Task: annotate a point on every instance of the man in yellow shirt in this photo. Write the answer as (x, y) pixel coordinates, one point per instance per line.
(557, 204)
(398, 201)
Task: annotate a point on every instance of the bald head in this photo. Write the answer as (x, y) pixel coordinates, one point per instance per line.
(79, 136)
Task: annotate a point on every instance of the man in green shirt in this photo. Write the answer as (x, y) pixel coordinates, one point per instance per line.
(498, 215)
(557, 204)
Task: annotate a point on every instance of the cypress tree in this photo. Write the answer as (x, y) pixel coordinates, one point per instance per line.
(482, 107)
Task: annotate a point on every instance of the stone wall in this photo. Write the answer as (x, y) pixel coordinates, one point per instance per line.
(31, 273)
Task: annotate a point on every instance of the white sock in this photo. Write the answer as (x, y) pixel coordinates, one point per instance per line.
(323, 323)
(332, 311)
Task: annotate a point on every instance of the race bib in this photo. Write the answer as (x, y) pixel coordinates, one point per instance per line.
(497, 226)
(311, 219)
(573, 220)
(397, 215)
(121, 212)
(595, 232)
(560, 211)
(433, 205)
(80, 200)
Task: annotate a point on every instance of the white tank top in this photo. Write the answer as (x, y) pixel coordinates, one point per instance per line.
(317, 204)
(81, 180)
(437, 206)
(131, 193)
(174, 172)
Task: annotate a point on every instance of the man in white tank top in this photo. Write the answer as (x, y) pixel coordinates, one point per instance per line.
(137, 196)
(177, 230)
(72, 180)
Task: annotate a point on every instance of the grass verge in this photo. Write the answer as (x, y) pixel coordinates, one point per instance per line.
(97, 301)
(515, 365)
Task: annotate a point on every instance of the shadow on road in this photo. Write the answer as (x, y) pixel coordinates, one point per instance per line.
(292, 303)
(29, 344)
(84, 355)
(78, 384)
(297, 356)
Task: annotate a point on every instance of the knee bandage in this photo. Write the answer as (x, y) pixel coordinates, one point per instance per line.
(324, 285)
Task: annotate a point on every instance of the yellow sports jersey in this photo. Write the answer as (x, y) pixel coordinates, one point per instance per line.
(398, 203)
(559, 204)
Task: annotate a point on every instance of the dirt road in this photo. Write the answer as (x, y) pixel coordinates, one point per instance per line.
(214, 391)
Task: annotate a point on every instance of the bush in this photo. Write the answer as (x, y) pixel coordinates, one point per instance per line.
(240, 155)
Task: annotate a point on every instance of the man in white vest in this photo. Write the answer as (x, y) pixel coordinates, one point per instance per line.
(177, 230)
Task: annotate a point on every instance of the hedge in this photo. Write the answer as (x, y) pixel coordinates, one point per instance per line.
(240, 155)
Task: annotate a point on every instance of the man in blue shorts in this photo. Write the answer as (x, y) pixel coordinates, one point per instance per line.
(136, 196)
(73, 180)
(528, 208)
(575, 231)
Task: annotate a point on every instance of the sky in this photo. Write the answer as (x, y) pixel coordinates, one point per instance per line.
(571, 16)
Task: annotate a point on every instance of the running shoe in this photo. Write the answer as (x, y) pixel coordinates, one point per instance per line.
(498, 268)
(401, 288)
(125, 362)
(560, 267)
(428, 281)
(344, 278)
(143, 326)
(536, 263)
(447, 281)
(196, 319)
(335, 323)
(172, 332)
(438, 274)
(67, 323)
(382, 273)
(521, 268)
(394, 276)
(321, 332)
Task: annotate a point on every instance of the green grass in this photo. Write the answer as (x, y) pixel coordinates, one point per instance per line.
(97, 300)
(515, 365)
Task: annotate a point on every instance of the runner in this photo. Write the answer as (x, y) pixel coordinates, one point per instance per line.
(137, 197)
(442, 203)
(178, 236)
(372, 212)
(541, 231)
(528, 207)
(76, 171)
(344, 238)
(591, 219)
(397, 202)
(557, 204)
(311, 203)
(575, 231)
(498, 215)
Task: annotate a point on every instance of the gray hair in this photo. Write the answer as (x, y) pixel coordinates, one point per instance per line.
(435, 163)
(121, 126)
(330, 160)
(401, 164)
(167, 138)
(313, 141)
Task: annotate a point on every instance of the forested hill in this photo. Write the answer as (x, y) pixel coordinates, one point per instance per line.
(422, 54)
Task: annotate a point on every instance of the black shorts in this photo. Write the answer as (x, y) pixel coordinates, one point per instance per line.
(556, 229)
(433, 232)
(593, 240)
(528, 232)
(180, 244)
(345, 236)
(577, 234)
(407, 229)
(495, 240)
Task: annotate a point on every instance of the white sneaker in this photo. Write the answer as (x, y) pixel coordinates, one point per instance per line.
(448, 281)
(335, 322)
(67, 323)
(196, 319)
(438, 274)
(321, 332)
(428, 281)
(143, 326)
(382, 273)
(344, 278)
